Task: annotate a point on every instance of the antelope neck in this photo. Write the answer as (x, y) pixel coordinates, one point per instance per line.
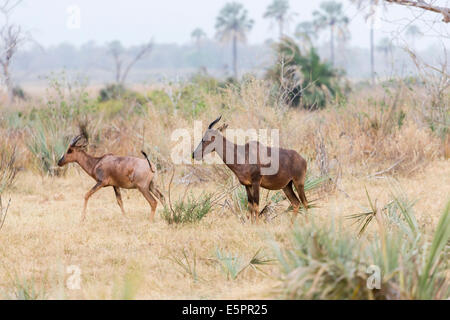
(87, 162)
(223, 153)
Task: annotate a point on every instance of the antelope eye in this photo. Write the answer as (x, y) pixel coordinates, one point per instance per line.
(69, 151)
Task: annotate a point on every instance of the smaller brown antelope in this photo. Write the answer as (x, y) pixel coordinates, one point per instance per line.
(113, 171)
(291, 167)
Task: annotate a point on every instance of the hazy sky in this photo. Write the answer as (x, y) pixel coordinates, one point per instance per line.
(135, 21)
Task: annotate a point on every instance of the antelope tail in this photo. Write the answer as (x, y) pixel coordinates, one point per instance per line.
(152, 167)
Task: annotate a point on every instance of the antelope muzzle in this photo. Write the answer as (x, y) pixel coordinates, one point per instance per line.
(62, 161)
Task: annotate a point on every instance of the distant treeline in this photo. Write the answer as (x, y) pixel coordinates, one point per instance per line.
(168, 61)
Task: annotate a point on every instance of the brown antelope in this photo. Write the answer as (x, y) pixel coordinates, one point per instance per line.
(291, 167)
(113, 171)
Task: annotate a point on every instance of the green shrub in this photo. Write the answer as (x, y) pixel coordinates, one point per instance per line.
(159, 98)
(19, 93)
(47, 143)
(205, 82)
(112, 92)
(191, 211)
(111, 107)
(28, 289)
(303, 79)
(8, 166)
(66, 99)
(328, 263)
(233, 264)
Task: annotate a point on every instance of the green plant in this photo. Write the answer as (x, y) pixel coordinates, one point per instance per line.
(112, 92)
(47, 142)
(111, 108)
(28, 290)
(302, 79)
(190, 211)
(8, 166)
(432, 277)
(67, 99)
(327, 263)
(19, 93)
(127, 287)
(186, 265)
(233, 265)
(191, 100)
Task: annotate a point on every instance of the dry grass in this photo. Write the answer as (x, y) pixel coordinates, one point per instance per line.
(373, 138)
(42, 236)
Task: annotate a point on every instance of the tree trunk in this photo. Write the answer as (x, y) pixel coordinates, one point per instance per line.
(235, 68)
(281, 28)
(332, 45)
(372, 55)
(8, 84)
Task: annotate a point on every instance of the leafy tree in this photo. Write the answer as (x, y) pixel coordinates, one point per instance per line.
(278, 10)
(331, 16)
(303, 79)
(233, 23)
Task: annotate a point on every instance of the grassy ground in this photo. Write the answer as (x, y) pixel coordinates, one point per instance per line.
(131, 258)
(365, 142)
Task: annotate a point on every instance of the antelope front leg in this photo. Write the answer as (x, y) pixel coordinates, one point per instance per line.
(255, 187)
(97, 187)
(249, 202)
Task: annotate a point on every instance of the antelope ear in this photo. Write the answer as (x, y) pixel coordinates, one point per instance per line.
(84, 142)
(223, 127)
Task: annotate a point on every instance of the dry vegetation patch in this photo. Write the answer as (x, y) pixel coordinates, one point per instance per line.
(365, 142)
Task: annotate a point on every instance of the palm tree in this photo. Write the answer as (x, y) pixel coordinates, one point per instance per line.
(278, 11)
(233, 23)
(306, 31)
(198, 35)
(385, 46)
(331, 15)
(370, 17)
(413, 32)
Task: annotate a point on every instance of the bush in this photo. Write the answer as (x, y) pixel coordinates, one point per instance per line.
(19, 93)
(232, 265)
(47, 143)
(111, 107)
(302, 79)
(119, 92)
(8, 167)
(327, 263)
(112, 92)
(160, 98)
(191, 211)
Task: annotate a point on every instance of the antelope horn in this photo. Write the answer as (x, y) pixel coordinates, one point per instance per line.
(214, 122)
(75, 140)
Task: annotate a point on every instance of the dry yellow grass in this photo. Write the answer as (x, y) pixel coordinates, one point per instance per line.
(132, 258)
